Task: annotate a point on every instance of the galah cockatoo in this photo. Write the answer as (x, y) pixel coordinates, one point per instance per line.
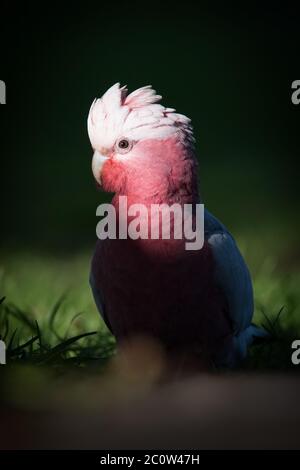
(199, 302)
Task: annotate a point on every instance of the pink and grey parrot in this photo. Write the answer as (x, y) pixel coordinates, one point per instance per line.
(196, 301)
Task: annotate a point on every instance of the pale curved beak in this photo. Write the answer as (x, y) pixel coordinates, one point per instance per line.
(97, 164)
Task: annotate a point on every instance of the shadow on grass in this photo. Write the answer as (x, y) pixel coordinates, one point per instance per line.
(273, 352)
(27, 343)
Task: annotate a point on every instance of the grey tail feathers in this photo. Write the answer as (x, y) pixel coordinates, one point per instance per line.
(240, 345)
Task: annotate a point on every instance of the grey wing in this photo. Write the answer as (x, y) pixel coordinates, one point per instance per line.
(231, 273)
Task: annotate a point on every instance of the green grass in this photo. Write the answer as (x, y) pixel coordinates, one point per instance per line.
(49, 318)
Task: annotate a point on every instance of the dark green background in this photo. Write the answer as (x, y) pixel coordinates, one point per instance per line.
(230, 71)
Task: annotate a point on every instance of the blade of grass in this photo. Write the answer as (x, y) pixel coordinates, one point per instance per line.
(23, 317)
(62, 347)
(10, 344)
(52, 316)
(23, 346)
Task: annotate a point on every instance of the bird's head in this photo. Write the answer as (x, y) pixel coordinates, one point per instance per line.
(141, 147)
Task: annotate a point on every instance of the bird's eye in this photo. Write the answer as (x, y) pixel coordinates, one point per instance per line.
(123, 145)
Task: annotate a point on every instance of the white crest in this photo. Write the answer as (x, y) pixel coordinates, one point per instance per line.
(135, 116)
